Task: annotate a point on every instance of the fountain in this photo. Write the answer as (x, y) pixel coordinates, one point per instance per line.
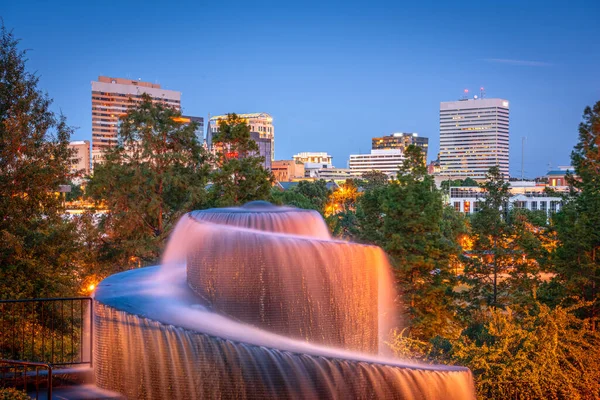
(258, 302)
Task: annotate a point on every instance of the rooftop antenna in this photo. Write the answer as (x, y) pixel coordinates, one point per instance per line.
(465, 94)
(481, 92)
(523, 157)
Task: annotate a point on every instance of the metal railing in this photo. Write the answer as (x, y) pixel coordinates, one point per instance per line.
(19, 374)
(53, 331)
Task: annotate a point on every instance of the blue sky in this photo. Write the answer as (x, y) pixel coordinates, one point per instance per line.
(332, 74)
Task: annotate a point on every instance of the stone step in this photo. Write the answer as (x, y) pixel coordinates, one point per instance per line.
(78, 392)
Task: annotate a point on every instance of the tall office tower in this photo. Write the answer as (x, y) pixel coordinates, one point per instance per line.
(113, 97)
(401, 141)
(473, 137)
(261, 130)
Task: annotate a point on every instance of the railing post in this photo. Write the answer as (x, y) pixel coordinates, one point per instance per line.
(49, 382)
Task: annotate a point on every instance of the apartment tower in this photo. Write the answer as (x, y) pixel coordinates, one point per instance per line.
(473, 137)
(112, 98)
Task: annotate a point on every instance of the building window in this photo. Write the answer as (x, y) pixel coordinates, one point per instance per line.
(467, 207)
(554, 206)
(520, 204)
(543, 205)
(457, 206)
(533, 205)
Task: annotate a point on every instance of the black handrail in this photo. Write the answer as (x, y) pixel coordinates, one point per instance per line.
(46, 330)
(25, 365)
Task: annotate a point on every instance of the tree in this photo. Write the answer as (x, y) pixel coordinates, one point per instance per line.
(421, 254)
(578, 254)
(239, 176)
(38, 247)
(157, 172)
(490, 256)
(542, 353)
(307, 194)
(370, 216)
(373, 179)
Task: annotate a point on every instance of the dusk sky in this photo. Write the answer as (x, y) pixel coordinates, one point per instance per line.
(332, 75)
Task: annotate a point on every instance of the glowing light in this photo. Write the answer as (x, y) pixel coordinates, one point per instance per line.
(91, 287)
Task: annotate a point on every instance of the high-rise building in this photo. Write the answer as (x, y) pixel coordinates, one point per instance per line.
(261, 130)
(313, 162)
(112, 98)
(473, 137)
(80, 158)
(387, 161)
(400, 140)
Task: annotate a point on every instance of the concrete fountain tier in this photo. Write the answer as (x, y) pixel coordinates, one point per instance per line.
(249, 305)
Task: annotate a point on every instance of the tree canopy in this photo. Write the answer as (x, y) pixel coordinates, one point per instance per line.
(157, 172)
(37, 245)
(239, 176)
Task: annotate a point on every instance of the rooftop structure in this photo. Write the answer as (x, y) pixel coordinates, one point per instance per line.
(400, 141)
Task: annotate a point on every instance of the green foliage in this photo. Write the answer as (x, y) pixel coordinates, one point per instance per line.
(370, 216)
(409, 229)
(13, 394)
(578, 255)
(492, 254)
(542, 354)
(38, 246)
(156, 173)
(373, 179)
(76, 192)
(467, 182)
(307, 194)
(239, 176)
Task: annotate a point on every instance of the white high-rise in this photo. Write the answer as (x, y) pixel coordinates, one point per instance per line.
(387, 161)
(473, 137)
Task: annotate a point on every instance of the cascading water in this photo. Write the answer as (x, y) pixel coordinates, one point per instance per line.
(258, 302)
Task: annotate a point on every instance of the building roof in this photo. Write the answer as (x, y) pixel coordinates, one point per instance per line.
(288, 185)
(247, 116)
(559, 172)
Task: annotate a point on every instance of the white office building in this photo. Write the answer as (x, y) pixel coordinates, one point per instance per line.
(387, 161)
(527, 195)
(474, 136)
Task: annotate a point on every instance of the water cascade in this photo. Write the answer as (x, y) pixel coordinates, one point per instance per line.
(258, 302)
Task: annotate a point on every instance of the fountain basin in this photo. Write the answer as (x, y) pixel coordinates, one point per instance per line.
(155, 338)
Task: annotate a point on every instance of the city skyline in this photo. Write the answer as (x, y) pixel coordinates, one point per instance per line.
(332, 79)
